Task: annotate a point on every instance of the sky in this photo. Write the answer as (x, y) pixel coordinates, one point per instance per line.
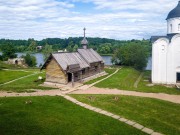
(115, 19)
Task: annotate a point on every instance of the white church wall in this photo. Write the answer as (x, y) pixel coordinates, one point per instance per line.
(173, 25)
(159, 61)
(175, 61)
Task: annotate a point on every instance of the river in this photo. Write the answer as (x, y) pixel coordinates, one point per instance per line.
(107, 59)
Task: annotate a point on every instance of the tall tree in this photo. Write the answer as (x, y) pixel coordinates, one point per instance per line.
(47, 51)
(133, 54)
(32, 46)
(8, 51)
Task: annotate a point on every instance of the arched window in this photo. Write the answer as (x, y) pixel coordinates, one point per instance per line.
(163, 47)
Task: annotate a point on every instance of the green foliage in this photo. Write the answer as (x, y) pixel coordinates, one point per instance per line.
(8, 51)
(47, 115)
(105, 48)
(70, 46)
(47, 51)
(159, 115)
(32, 46)
(102, 45)
(133, 54)
(30, 60)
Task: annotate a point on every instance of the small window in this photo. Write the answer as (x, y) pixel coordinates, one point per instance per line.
(178, 27)
(170, 27)
(163, 47)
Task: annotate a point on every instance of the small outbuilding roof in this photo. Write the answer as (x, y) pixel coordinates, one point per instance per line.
(67, 59)
(90, 55)
(175, 12)
(77, 60)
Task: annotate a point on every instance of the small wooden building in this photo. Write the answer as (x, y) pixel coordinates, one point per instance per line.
(64, 67)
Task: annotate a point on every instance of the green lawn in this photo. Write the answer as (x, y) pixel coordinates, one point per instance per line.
(6, 75)
(125, 78)
(55, 116)
(26, 84)
(107, 70)
(159, 115)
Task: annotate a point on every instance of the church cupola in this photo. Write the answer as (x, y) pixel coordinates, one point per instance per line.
(84, 42)
(173, 20)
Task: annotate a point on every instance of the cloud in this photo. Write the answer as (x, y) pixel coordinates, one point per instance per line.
(132, 19)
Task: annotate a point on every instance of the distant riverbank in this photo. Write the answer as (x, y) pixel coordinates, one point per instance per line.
(106, 58)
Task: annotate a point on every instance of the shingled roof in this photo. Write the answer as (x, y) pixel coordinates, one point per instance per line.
(79, 60)
(90, 55)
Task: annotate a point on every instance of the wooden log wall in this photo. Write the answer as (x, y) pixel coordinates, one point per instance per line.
(55, 74)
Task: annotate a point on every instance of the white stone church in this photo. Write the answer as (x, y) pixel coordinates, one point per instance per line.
(166, 51)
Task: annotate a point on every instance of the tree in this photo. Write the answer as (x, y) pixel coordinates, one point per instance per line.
(70, 46)
(30, 60)
(8, 51)
(133, 54)
(47, 51)
(32, 46)
(75, 48)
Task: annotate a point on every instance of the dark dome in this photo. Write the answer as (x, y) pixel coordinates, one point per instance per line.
(84, 41)
(175, 12)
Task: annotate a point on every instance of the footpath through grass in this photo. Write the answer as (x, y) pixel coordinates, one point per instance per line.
(107, 70)
(125, 78)
(159, 115)
(55, 116)
(7, 75)
(27, 84)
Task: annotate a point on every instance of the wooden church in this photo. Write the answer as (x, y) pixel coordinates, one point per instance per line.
(65, 67)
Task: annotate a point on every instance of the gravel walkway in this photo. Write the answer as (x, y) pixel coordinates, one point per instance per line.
(162, 96)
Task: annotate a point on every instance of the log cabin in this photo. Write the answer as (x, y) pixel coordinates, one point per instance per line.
(65, 67)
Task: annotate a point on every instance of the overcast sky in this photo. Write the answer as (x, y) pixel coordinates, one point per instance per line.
(116, 19)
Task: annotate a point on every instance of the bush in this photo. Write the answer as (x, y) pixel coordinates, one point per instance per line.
(30, 60)
(133, 55)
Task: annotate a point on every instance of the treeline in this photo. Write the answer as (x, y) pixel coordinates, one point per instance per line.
(101, 45)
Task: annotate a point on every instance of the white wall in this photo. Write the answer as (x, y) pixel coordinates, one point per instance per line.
(159, 61)
(166, 60)
(175, 23)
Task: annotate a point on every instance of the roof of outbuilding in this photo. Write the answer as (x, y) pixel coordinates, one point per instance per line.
(90, 55)
(175, 12)
(67, 59)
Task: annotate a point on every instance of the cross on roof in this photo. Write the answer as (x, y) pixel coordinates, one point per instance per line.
(84, 32)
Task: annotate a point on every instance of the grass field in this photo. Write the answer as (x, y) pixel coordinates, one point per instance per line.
(6, 76)
(108, 70)
(159, 115)
(125, 78)
(22, 85)
(55, 116)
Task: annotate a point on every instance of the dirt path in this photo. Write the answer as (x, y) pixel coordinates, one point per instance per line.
(84, 87)
(20, 78)
(162, 96)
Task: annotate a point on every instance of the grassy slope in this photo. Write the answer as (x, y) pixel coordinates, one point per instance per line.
(159, 115)
(109, 71)
(55, 116)
(22, 85)
(125, 79)
(6, 76)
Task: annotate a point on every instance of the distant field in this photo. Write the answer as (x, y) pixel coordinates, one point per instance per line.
(159, 115)
(55, 116)
(125, 78)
